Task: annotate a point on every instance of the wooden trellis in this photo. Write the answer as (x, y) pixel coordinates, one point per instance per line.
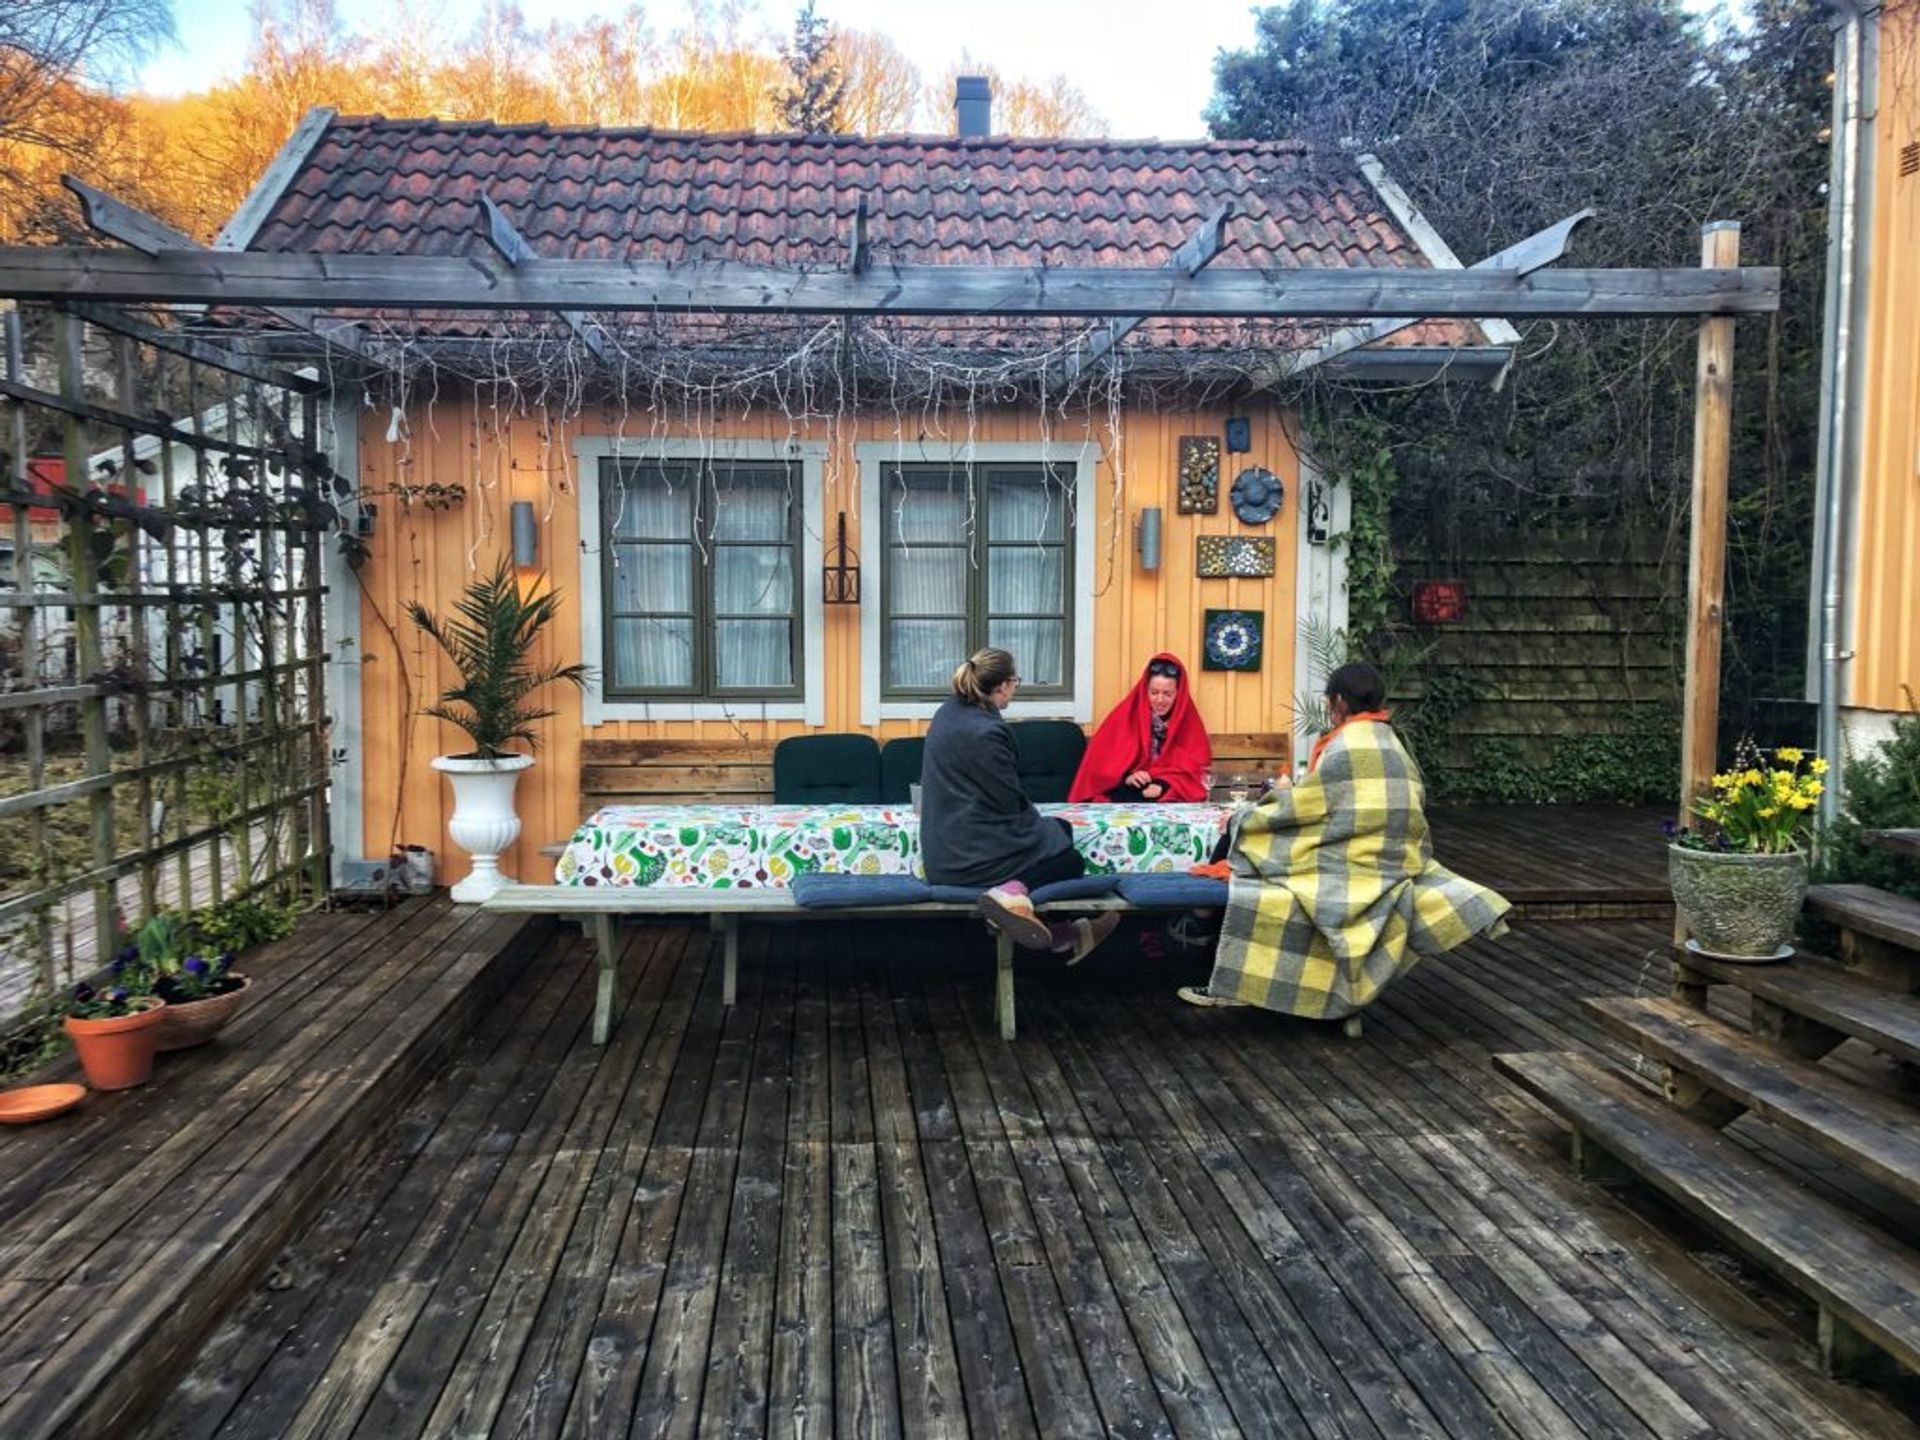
(170, 682)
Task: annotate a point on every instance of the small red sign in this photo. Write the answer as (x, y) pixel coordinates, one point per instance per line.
(1439, 602)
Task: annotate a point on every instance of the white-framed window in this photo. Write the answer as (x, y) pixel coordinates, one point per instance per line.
(983, 544)
(699, 581)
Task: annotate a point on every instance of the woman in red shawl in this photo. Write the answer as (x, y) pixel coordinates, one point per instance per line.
(1152, 745)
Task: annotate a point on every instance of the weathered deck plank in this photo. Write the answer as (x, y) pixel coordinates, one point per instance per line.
(847, 1205)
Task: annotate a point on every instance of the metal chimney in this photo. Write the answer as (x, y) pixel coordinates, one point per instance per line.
(972, 105)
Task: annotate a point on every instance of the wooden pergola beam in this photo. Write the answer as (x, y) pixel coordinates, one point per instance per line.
(153, 237)
(220, 352)
(1539, 249)
(206, 277)
(513, 248)
(1196, 252)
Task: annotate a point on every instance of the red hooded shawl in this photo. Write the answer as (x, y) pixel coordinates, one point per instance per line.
(1120, 746)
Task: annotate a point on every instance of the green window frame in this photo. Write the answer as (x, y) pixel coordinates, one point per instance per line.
(976, 555)
(700, 580)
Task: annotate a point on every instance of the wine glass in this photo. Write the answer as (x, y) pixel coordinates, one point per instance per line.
(1237, 790)
(1206, 780)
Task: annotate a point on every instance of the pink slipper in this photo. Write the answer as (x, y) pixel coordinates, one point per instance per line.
(1011, 911)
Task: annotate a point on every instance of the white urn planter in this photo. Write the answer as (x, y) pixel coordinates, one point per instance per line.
(484, 821)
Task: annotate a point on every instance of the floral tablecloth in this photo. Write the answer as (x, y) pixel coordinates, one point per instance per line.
(723, 847)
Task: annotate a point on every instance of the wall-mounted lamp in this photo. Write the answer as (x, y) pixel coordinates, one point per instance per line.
(1146, 537)
(363, 522)
(526, 536)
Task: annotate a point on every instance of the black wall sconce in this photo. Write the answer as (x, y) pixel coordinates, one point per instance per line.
(363, 522)
(840, 579)
(1319, 513)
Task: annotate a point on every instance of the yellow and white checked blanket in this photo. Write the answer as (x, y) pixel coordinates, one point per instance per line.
(1335, 891)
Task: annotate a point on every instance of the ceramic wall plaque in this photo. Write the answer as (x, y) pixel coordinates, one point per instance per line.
(1232, 640)
(1235, 556)
(1199, 475)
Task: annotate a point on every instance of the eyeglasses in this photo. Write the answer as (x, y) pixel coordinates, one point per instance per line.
(1164, 667)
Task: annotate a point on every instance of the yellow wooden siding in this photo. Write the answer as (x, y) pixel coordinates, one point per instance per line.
(1884, 581)
(430, 555)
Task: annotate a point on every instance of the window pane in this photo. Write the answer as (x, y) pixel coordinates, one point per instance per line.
(923, 654)
(652, 577)
(652, 654)
(752, 507)
(652, 505)
(926, 580)
(1026, 579)
(1038, 648)
(752, 580)
(753, 654)
(1025, 507)
(926, 507)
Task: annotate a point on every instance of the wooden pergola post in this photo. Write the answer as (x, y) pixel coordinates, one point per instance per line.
(1707, 560)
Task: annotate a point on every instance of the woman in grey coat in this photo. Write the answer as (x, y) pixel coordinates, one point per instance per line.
(977, 827)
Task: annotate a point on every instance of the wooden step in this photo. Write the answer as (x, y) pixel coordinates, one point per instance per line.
(1867, 1287)
(1827, 994)
(1899, 842)
(1879, 931)
(1873, 1134)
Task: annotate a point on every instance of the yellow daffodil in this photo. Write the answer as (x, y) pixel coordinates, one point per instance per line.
(1752, 777)
(1818, 766)
(1769, 811)
(1789, 754)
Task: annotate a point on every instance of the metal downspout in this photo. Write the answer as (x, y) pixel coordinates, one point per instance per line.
(1836, 451)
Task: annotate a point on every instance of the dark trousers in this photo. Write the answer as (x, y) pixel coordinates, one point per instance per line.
(1124, 794)
(1067, 865)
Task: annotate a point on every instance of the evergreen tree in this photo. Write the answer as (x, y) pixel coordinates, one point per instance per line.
(1500, 117)
(812, 104)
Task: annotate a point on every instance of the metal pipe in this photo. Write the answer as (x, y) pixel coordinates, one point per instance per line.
(1837, 458)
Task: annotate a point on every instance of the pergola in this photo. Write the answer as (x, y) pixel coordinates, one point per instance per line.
(312, 300)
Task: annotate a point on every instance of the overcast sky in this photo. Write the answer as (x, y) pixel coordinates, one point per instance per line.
(1145, 64)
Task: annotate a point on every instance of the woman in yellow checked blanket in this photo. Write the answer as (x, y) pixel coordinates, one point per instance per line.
(1333, 889)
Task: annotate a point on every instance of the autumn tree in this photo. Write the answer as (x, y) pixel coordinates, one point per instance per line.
(882, 85)
(811, 104)
(58, 60)
(1055, 107)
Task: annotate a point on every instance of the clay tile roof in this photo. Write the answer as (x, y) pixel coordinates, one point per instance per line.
(373, 184)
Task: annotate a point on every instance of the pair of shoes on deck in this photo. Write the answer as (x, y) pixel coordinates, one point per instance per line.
(1009, 909)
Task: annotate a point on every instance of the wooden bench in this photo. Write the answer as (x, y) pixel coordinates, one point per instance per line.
(602, 906)
(1897, 842)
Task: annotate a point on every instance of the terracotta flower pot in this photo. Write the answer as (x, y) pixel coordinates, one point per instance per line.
(186, 1023)
(1738, 906)
(117, 1052)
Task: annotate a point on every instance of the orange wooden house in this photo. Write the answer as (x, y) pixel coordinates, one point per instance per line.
(699, 539)
(1865, 663)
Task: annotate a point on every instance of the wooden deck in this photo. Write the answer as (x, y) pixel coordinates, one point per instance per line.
(845, 1207)
(1560, 861)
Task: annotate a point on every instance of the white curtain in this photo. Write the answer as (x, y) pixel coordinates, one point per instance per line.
(1026, 574)
(926, 582)
(753, 594)
(656, 563)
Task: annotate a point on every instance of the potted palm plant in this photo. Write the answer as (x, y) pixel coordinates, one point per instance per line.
(491, 644)
(1740, 875)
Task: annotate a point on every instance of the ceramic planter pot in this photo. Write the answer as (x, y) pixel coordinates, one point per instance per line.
(117, 1053)
(186, 1023)
(1738, 907)
(484, 822)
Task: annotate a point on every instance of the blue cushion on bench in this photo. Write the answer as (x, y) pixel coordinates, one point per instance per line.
(1081, 887)
(846, 892)
(956, 894)
(1171, 891)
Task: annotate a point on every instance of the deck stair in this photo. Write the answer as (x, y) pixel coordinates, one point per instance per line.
(1864, 1280)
